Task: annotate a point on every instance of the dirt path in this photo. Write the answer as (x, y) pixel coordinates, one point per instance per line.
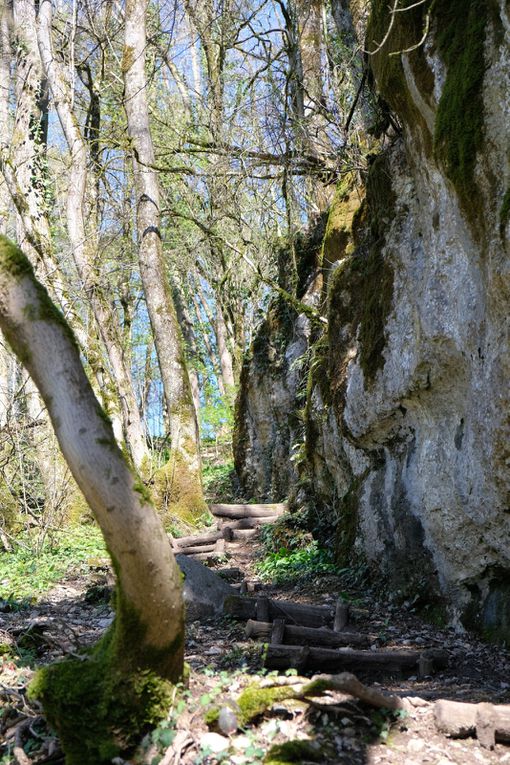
(223, 662)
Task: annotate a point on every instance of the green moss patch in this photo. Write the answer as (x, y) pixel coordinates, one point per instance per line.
(386, 63)
(178, 493)
(459, 134)
(294, 751)
(504, 213)
(254, 701)
(361, 288)
(103, 704)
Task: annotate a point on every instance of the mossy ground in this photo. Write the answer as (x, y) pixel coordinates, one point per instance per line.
(254, 701)
(298, 751)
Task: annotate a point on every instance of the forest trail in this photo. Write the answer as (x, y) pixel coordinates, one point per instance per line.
(223, 661)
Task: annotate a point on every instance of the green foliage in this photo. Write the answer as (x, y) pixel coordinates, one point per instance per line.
(288, 565)
(460, 115)
(289, 531)
(217, 480)
(25, 574)
(216, 415)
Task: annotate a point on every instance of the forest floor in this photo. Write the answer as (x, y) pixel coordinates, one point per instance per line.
(75, 613)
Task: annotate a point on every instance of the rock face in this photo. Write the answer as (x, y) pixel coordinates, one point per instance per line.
(407, 452)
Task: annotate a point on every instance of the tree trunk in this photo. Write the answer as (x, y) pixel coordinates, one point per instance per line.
(226, 363)
(100, 705)
(84, 245)
(181, 482)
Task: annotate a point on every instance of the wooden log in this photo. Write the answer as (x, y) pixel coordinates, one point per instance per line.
(341, 615)
(296, 635)
(277, 631)
(248, 511)
(220, 546)
(246, 523)
(458, 719)
(286, 656)
(204, 539)
(262, 609)
(209, 557)
(293, 613)
(197, 549)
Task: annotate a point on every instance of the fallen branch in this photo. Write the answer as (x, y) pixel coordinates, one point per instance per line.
(348, 683)
(204, 539)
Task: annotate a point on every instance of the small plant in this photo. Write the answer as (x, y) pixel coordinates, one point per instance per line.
(286, 565)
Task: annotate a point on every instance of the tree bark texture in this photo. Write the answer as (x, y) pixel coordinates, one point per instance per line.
(147, 635)
(163, 317)
(84, 243)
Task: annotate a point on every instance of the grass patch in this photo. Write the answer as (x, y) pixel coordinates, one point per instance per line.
(25, 575)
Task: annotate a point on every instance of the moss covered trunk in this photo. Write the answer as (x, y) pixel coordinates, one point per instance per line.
(187, 496)
(99, 706)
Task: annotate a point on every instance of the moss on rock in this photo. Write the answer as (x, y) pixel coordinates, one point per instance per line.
(386, 61)
(360, 294)
(461, 26)
(504, 213)
(254, 701)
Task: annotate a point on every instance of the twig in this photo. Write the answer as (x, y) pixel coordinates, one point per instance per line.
(19, 753)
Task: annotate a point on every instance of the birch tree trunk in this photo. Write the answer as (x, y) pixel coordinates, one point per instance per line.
(84, 243)
(100, 705)
(180, 485)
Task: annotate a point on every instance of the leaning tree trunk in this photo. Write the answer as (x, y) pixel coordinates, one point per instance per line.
(99, 705)
(181, 481)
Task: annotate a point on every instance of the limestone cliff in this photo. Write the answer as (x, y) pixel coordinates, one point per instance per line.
(407, 419)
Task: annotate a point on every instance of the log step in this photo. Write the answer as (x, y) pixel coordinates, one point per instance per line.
(248, 511)
(246, 523)
(384, 662)
(204, 539)
(293, 613)
(296, 635)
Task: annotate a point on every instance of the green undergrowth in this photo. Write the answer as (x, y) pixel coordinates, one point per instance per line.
(286, 565)
(218, 481)
(26, 573)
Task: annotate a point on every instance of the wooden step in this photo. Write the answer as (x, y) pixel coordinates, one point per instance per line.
(248, 511)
